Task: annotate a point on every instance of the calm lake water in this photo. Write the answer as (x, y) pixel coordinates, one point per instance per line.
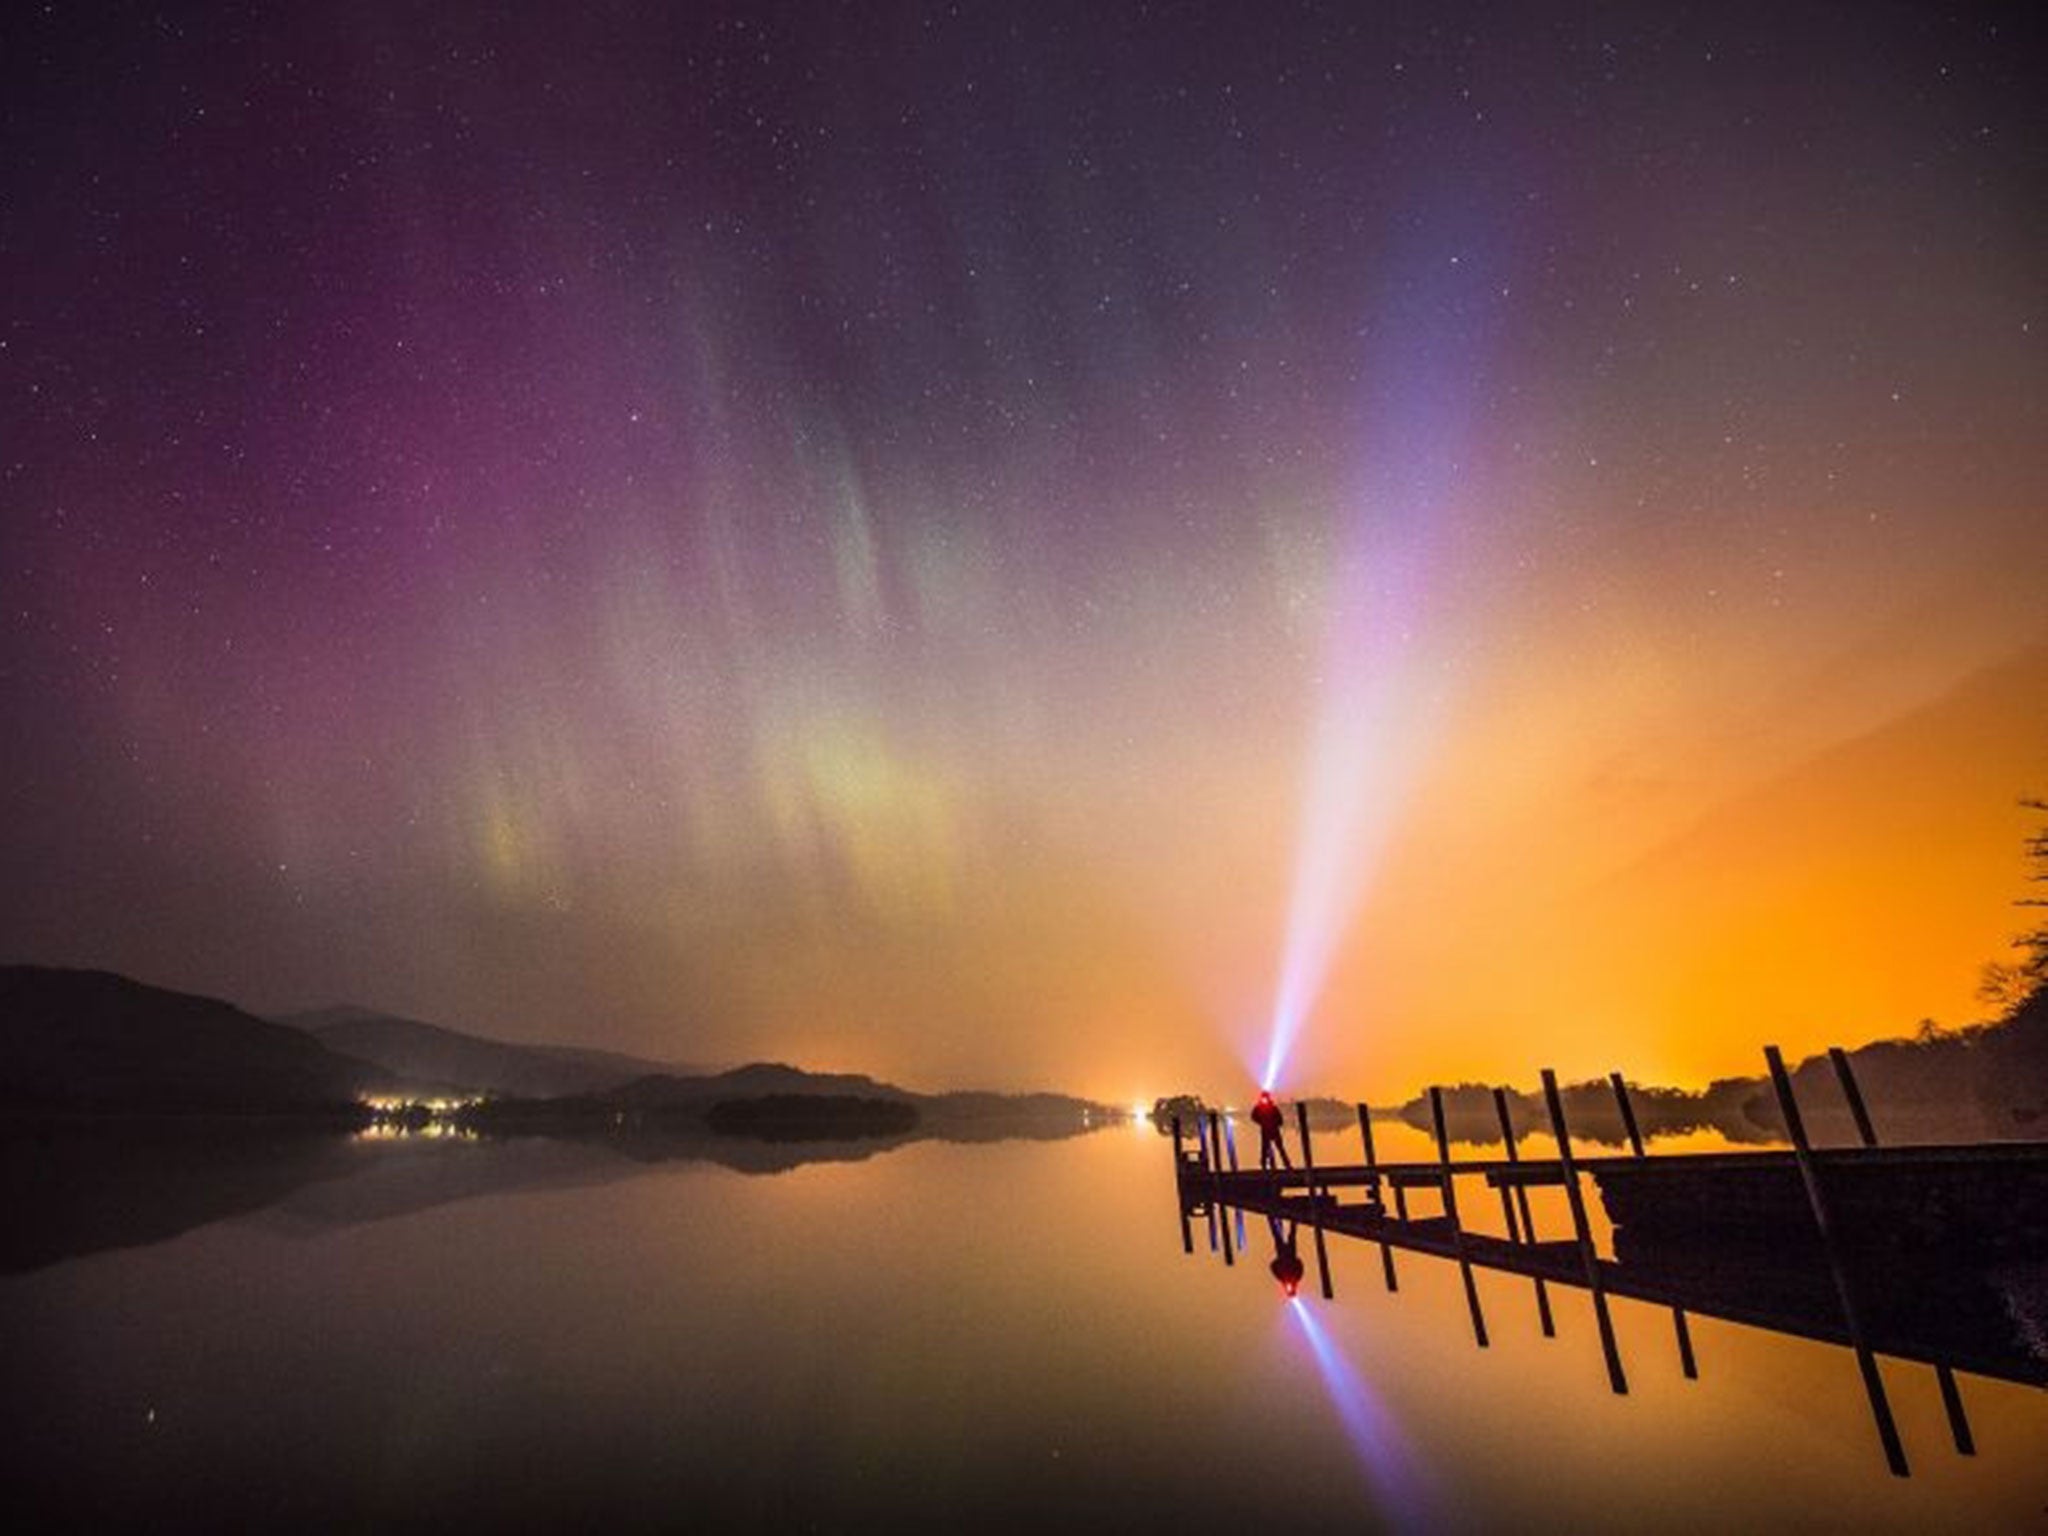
(934, 1337)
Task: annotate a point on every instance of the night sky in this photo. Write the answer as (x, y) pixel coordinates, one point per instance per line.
(1018, 544)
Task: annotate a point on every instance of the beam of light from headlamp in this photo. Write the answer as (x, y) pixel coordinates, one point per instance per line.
(1382, 694)
(1366, 751)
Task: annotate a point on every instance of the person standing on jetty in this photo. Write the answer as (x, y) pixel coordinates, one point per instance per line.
(1266, 1116)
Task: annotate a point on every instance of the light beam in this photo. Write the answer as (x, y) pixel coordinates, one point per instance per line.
(1401, 1486)
(1382, 691)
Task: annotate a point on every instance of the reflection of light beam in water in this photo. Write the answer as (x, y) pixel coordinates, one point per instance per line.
(1400, 1486)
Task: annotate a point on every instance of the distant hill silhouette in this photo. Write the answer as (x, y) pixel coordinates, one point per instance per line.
(760, 1079)
(672, 1104)
(131, 1113)
(1987, 1082)
(1983, 1082)
(94, 1042)
(433, 1056)
(83, 1042)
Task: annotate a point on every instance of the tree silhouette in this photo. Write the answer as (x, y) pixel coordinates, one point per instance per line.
(2009, 985)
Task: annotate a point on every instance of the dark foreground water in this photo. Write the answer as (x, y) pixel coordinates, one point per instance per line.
(935, 1337)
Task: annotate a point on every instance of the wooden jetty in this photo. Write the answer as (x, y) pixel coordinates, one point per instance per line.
(1896, 1251)
(1989, 1201)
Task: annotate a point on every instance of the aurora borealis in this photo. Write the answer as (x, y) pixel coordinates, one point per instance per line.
(983, 544)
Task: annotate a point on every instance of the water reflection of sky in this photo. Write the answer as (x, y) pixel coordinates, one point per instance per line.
(996, 1337)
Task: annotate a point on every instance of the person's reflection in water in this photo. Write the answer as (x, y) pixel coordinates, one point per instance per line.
(1286, 1265)
(1266, 1116)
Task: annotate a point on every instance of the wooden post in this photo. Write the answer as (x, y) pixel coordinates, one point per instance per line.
(1308, 1154)
(1686, 1362)
(1628, 1113)
(1400, 1200)
(1507, 1189)
(1230, 1147)
(1217, 1214)
(1958, 1421)
(1853, 1094)
(1951, 1393)
(1216, 1183)
(1866, 1362)
(1679, 1326)
(1207, 1174)
(1187, 1233)
(1507, 1135)
(1315, 1202)
(1866, 1132)
(1447, 1182)
(1379, 1193)
(1576, 1198)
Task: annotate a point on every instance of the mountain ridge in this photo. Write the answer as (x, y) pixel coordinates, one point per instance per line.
(85, 1042)
(432, 1055)
(98, 1042)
